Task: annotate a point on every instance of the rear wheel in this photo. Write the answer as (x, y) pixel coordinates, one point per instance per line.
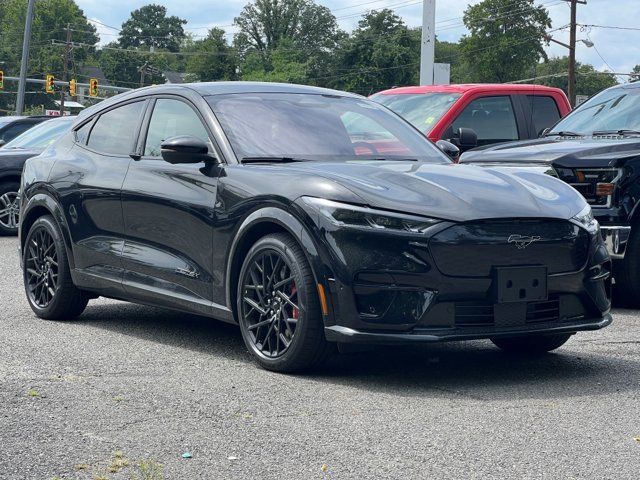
(47, 277)
(534, 344)
(9, 208)
(278, 306)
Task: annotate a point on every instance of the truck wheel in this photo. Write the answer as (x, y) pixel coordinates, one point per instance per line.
(627, 273)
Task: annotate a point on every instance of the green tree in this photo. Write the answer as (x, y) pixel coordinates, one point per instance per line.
(506, 39)
(211, 58)
(588, 80)
(309, 31)
(150, 26)
(51, 18)
(381, 53)
(636, 74)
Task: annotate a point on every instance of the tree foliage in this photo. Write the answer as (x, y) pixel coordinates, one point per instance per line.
(588, 80)
(211, 58)
(506, 39)
(150, 26)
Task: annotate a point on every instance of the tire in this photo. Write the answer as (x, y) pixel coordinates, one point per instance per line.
(531, 345)
(45, 263)
(627, 273)
(263, 333)
(9, 208)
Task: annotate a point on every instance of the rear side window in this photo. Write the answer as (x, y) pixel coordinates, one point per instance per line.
(544, 112)
(492, 118)
(114, 132)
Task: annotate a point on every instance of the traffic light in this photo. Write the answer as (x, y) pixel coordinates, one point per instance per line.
(49, 85)
(1, 80)
(93, 87)
(72, 88)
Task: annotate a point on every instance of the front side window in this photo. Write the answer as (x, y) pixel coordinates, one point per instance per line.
(423, 111)
(115, 131)
(492, 118)
(608, 111)
(172, 118)
(317, 127)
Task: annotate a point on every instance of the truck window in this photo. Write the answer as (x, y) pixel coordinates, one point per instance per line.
(492, 118)
(544, 112)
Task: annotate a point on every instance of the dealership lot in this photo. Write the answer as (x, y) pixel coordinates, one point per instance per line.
(155, 384)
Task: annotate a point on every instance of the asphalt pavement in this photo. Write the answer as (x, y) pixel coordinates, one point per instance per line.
(127, 391)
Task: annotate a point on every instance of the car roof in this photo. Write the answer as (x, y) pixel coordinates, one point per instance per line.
(215, 88)
(470, 87)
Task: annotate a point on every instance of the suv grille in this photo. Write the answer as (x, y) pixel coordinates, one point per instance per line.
(473, 249)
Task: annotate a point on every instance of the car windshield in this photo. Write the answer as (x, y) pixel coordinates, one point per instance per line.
(608, 111)
(42, 135)
(422, 110)
(317, 127)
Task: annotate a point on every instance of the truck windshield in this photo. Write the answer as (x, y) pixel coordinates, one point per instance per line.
(317, 127)
(422, 110)
(609, 111)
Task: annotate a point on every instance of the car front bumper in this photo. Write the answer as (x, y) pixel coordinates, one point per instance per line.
(615, 239)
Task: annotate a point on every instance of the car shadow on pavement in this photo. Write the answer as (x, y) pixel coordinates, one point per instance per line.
(585, 366)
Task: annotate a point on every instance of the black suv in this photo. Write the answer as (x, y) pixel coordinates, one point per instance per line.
(12, 127)
(595, 149)
(308, 216)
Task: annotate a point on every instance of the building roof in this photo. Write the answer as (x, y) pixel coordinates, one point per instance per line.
(87, 72)
(174, 77)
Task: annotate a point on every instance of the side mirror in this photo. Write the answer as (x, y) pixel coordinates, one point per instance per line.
(185, 149)
(449, 149)
(465, 139)
(544, 131)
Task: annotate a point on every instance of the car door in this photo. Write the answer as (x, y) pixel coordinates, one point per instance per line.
(169, 213)
(89, 179)
(493, 118)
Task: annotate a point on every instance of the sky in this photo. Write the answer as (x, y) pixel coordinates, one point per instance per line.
(614, 49)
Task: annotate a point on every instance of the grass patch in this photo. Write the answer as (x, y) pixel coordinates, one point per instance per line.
(33, 393)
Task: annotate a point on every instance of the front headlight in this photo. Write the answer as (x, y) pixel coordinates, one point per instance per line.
(344, 214)
(586, 220)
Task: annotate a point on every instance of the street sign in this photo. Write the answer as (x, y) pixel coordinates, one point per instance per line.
(56, 113)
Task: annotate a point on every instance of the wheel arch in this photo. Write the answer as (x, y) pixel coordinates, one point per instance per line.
(257, 225)
(37, 206)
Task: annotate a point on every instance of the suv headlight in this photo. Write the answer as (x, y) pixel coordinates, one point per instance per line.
(586, 220)
(347, 215)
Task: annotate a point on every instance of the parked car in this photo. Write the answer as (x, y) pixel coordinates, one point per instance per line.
(486, 113)
(272, 206)
(596, 149)
(12, 158)
(14, 126)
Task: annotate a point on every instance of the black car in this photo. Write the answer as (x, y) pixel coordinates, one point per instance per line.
(308, 216)
(14, 126)
(12, 158)
(596, 149)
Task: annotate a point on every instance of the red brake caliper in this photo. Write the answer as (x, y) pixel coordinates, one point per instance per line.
(295, 312)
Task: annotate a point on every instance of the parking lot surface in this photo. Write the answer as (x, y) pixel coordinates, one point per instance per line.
(127, 390)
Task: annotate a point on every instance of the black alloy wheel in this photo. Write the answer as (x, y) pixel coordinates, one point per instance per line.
(47, 277)
(9, 208)
(278, 306)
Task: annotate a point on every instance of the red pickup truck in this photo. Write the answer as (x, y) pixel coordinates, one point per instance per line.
(473, 115)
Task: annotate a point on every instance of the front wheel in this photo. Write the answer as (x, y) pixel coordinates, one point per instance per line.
(534, 344)
(278, 306)
(9, 208)
(47, 277)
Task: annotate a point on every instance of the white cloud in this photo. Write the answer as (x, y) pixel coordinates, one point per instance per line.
(620, 49)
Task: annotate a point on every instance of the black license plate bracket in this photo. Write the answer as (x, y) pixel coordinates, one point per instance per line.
(520, 284)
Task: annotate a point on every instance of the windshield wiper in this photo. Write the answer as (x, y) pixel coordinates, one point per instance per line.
(272, 160)
(564, 133)
(621, 132)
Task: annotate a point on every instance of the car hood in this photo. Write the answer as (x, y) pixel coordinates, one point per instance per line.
(450, 191)
(567, 152)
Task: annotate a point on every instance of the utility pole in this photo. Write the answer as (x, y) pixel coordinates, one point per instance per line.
(427, 49)
(571, 88)
(67, 51)
(26, 44)
(143, 71)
